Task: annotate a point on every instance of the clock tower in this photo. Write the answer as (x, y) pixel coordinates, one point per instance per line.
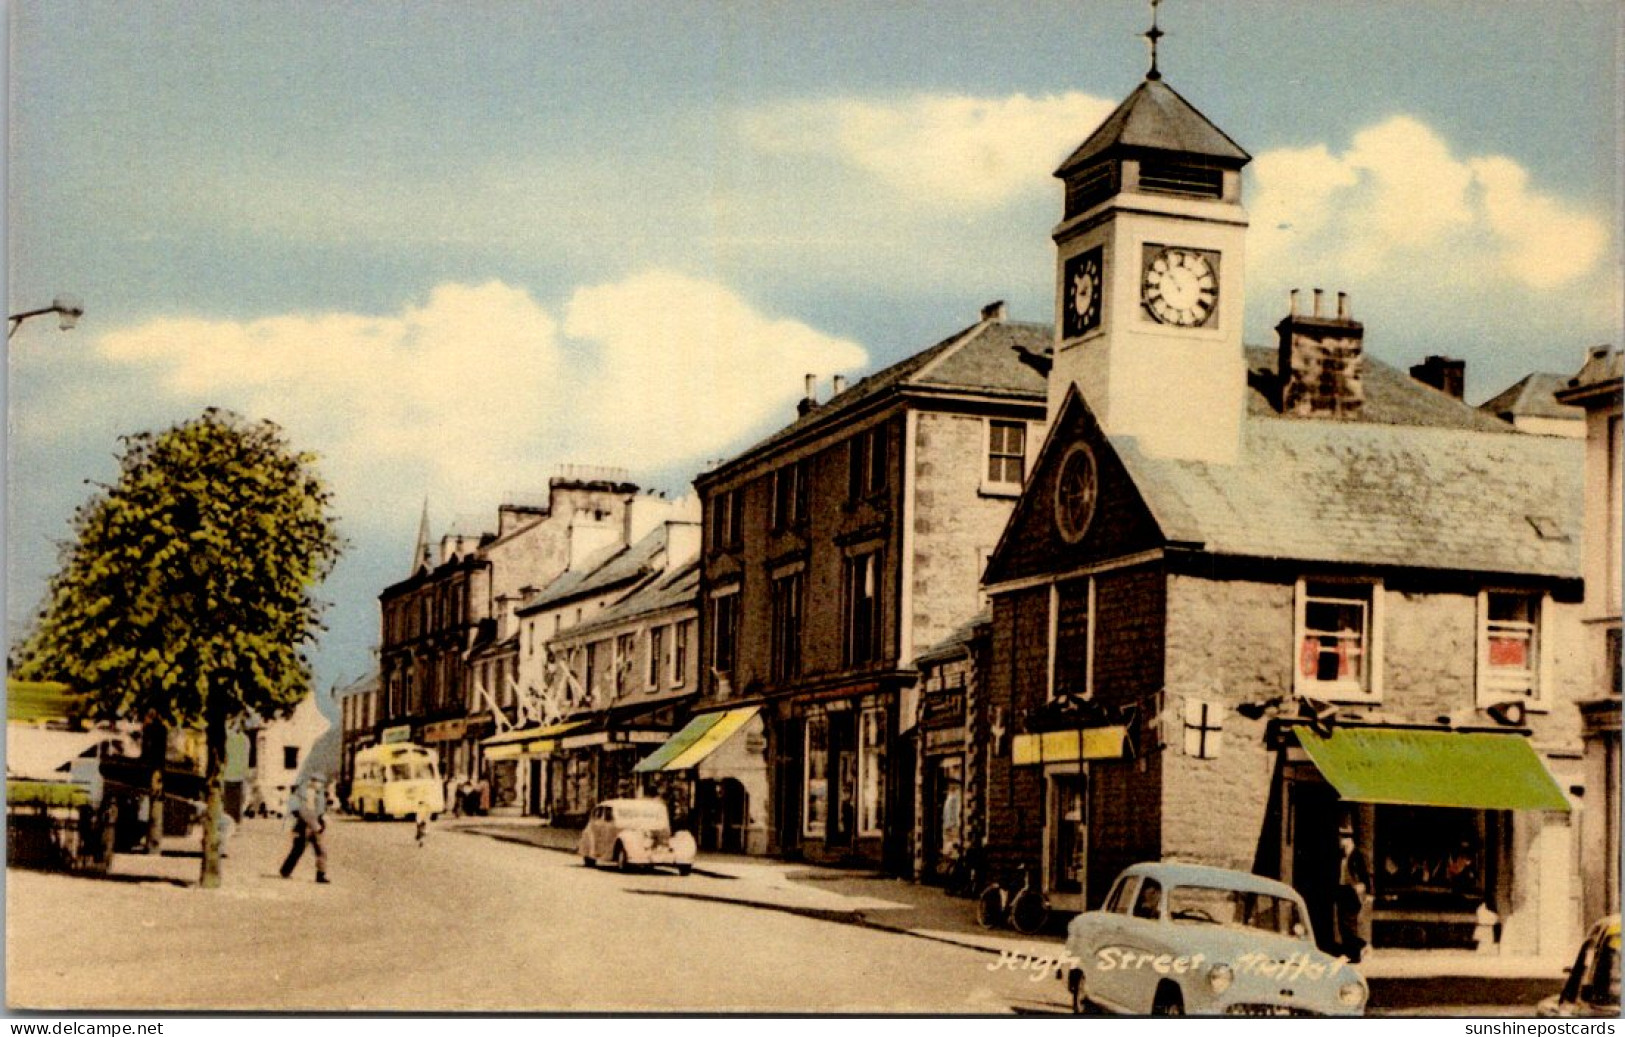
(1149, 257)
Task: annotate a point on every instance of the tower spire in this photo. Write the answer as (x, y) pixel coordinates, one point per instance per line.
(421, 558)
(1152, 35)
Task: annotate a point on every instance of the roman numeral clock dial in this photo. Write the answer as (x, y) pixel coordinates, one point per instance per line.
(1080, 307)
(1181, 286)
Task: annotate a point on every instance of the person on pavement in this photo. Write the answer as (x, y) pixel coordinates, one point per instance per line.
(307, 810)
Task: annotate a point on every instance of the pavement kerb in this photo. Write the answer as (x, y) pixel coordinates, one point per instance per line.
(561, 840)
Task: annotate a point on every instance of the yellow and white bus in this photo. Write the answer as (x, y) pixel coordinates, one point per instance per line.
(396, 781)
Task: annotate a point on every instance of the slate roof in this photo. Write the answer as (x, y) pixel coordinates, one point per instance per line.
(956, 643)
(984, 358)
(672, 590)
(1392, 397)
(1535, 396)
(1155, 116)
(1375, 494)
(606, 570)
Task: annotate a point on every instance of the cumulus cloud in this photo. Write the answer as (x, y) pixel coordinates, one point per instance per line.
(481, 390)
(1401, 203)
(971, 152)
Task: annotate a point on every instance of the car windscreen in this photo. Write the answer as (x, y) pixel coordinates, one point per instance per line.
(1210, 905)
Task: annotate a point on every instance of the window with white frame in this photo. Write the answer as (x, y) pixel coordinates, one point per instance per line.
(815, 777)
(1071, 633)
(1509, 647)
(1006, 455)
(1338, 640)
(872, 771)
(725, 630)
(682, 633)
(657, 657)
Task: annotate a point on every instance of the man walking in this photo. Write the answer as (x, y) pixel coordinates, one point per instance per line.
(1353, 879)
(307, 809)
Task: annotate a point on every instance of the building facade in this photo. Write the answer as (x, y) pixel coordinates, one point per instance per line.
(1597, 389)
(1315, 595)
(838, 549)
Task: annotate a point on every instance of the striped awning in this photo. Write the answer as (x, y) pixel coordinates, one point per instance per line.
(528, 741)
(698, 739)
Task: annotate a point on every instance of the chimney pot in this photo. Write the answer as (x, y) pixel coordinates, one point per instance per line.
(839, 384)
(1342, 305)
(812, 386)
(993, 310)
(1318, 294)
(1292, 303)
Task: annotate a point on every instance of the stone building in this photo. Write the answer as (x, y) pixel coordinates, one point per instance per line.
(1597, 390)
(606, 654)
(1251, 596)
(839, 548)
(450, 610)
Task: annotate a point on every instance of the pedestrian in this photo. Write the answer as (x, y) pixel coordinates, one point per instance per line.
(420, 815)
(1353, 878)
(307, 813)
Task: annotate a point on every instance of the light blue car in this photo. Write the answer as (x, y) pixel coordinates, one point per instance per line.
(1182, 939)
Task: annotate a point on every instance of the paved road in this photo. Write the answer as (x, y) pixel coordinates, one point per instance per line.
(465, 923)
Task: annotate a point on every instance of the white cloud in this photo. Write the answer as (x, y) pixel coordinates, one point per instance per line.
(480, 390)
(1401, 204)
(972, 152)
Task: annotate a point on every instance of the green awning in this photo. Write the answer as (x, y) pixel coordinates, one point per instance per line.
(682, 740)
(39, 701)
(1478, 770)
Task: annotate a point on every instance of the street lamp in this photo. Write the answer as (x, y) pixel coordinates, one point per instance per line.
(68, 307)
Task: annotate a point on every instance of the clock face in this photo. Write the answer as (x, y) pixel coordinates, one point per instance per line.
(1181, 286)
(1081, 293)
(1075, 493)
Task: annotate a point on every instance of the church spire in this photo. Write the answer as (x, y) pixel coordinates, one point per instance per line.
(421, 558)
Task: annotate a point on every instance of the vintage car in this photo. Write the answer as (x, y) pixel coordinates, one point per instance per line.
(1592, 988)
(634, 833)
(1181, 939)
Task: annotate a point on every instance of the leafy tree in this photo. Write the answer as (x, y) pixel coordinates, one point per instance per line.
(187, 593)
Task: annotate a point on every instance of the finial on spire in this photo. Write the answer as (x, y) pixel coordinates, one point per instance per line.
(1153, 34)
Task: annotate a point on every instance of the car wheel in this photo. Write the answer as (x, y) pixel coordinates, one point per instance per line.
(1080, 999)
(684, 869)
(1169, 1001)
(621, 863)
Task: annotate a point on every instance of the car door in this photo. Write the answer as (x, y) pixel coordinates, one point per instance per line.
(1140, 938)
(1101, 967)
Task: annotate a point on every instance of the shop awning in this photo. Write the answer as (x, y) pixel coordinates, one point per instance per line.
(527, 741)
(697, 740)
(1086, 743)
(1478, 770)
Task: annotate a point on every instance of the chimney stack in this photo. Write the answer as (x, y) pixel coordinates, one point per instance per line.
(1446, 374)
(810, 400)
(994, 310)
(1320, 361)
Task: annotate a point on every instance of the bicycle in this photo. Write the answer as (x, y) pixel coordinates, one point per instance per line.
(1021, 904)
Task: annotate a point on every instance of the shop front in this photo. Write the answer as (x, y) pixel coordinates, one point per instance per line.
(836, 777)
(713, 776)
(1464, 836)
(942, 782)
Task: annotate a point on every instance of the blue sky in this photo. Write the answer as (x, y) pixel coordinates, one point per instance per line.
(453, 246)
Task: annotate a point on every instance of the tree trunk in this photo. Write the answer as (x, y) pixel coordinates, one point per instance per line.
(214, 785)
